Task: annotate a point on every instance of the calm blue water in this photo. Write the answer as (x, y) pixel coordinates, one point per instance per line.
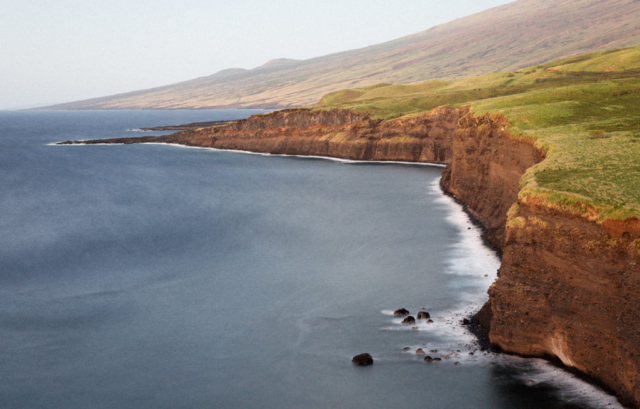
(150, 276)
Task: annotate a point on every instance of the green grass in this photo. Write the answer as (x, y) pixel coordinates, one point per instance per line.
(584, 111)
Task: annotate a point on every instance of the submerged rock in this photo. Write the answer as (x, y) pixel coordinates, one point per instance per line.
(428, 359)
(409, 320)
(401, 311)
(362, 359)
(419, 351)
(423, 315)
(429, 321)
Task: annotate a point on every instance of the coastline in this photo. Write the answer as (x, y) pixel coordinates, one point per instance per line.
(284, 155)
(476, 145)
(577, 382)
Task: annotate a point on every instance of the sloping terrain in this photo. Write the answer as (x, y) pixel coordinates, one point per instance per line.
(509, 37)
(583, 111)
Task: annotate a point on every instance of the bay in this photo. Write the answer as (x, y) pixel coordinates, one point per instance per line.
(149, 276)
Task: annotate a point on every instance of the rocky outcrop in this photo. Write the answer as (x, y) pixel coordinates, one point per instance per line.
(423, 315)
(298, 118)
(409, 320)
(484, 316)
(335, 133)
(485, 170)
(568, 287)
(362, 360)
(401, 311)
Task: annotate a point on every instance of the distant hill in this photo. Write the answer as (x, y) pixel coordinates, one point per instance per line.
(509, 37)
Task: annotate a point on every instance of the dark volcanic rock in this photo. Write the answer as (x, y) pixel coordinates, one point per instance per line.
(401, 311)
(483, 317)
(419, 351)
(409, 320)
(423, 315)
(362, 359)
(428, 359)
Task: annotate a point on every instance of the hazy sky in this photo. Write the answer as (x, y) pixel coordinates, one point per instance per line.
(64, 50)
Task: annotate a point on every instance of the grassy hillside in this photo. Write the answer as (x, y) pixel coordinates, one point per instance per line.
(519, 34)
(585, 111)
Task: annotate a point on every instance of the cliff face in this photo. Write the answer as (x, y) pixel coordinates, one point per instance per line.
(485, 170)
(568, 288)
(335, 133)
(299, 118)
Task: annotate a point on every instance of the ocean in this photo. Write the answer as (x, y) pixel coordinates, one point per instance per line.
(151, 276)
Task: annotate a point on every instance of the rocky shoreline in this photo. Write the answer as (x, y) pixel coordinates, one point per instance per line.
(568, 287)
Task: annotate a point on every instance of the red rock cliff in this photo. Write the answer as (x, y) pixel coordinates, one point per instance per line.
(486, 168)
(568, 288)
(335, 133)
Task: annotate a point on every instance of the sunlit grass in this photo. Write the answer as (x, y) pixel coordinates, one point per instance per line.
(584, 111)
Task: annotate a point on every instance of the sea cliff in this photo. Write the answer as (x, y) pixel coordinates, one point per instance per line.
(568, 287)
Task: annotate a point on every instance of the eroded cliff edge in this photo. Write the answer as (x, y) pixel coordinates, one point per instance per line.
(568, 287)
(335, 133)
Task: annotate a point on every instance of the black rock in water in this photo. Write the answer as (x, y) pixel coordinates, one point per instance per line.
(362, 359)
(401, 311)
(423, 315)
(409, 320)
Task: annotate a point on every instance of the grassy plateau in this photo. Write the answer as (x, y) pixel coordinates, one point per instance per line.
(583, 111)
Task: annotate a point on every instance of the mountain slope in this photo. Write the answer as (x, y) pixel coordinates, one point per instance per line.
(509, 37)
